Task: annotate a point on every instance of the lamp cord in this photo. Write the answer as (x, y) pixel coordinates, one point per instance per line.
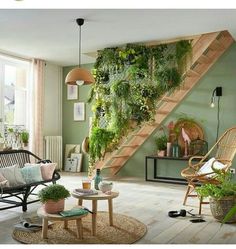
(79, 45)
(218, 118)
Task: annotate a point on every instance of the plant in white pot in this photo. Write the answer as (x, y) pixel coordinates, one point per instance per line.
(53, 198)
(161, 143)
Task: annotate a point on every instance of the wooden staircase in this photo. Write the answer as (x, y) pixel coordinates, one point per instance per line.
(207, 48)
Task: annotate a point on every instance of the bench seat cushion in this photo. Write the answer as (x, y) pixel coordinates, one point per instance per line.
(13, 175)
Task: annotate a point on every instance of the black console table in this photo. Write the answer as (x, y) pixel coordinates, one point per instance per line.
(166, 179)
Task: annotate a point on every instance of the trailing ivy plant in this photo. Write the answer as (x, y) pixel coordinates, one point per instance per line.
(128, 83)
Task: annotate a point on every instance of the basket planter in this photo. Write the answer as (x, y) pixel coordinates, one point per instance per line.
(220, 207)
(54, 207)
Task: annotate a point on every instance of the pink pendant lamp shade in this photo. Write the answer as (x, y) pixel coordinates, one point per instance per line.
(79, 76)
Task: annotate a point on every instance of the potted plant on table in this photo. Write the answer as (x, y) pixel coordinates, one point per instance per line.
(222, 196)
(53, 198)
(25, 138)
(161, 143)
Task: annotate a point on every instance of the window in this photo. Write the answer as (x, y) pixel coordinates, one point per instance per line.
(14, 93)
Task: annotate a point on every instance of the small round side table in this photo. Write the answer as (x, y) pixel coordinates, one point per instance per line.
(94, 199)
(56, 217)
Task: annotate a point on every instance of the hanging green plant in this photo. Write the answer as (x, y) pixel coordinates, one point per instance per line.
(128, 84)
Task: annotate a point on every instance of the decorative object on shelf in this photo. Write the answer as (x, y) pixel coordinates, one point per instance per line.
(72, 92)
(176, 152)
(97, 179)
(105, 186)
(53, 198)
(79, 111)
(79, 76)
(168, 149)
(192, 129)
(198, 147)
(186, 142)
(161, 143)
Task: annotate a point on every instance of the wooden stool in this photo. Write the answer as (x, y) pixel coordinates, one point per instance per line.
(56, 217)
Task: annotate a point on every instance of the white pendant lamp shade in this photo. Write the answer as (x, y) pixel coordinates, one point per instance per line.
(79, 76)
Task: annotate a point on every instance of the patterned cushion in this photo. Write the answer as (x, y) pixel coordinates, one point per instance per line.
(47, 170)
(31, 173)
(13, 175)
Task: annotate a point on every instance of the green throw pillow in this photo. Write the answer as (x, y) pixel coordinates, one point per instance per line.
(32, 173)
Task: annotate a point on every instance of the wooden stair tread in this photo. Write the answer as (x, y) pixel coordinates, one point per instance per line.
(162, 112)
(141, 134)
(120, 156)
(130, 145)
(111, 166)
(169, 99)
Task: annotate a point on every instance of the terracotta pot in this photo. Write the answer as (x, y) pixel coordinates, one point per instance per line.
(54, 207)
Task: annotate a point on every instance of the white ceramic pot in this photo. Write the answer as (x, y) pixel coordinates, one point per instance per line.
(105, 186)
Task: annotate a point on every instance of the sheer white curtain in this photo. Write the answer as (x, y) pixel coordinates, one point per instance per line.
(36, 106)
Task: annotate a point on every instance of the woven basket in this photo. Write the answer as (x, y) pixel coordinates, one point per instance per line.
(219, 208)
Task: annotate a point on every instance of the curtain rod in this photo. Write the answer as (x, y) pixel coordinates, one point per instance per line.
(14, 56)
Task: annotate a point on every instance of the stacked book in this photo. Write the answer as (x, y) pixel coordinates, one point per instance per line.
(84, 192)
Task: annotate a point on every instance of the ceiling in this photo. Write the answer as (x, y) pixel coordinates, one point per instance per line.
(52, 35)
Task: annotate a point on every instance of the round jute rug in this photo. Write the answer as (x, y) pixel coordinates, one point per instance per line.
(126, 230)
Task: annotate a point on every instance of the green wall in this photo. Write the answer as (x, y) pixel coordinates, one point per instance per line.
(196, 104)
(75, 131)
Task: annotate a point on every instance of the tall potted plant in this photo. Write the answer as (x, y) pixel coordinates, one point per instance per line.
(222, 196)
(53, 198)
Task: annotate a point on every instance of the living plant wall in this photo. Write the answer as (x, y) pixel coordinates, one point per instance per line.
(129, 81)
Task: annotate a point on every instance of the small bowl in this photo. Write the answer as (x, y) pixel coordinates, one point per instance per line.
(105, 186)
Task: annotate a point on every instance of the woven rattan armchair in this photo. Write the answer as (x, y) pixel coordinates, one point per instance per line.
(223, 151)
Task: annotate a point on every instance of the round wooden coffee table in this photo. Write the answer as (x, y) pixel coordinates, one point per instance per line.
(57, 217)
(94, 199)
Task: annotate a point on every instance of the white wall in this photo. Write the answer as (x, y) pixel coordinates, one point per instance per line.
(53, 100)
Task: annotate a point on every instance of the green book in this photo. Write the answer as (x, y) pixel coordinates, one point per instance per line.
(74, 212)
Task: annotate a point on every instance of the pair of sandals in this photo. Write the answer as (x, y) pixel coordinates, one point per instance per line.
(183, 213)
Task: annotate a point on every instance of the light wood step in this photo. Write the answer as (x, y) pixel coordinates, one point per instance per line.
(120, 156)
(130, 145)
(169, 99)
(162, 112)
(140, 134)
(111, 166)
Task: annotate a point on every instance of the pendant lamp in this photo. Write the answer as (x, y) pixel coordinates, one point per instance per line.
(79, 76)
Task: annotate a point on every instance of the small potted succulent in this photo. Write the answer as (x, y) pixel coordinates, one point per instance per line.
(53, 198)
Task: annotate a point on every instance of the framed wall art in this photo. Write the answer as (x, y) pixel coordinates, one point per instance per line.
(72, 92)
(79, 111)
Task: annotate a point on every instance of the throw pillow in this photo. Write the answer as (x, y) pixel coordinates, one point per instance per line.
(32, 173)
(3, 181)
(206, 168)
(13, 175)
(47, 170)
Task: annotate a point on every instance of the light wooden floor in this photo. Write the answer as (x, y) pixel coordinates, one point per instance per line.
(148, 202)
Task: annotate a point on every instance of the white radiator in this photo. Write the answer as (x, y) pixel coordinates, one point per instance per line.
(53, 150)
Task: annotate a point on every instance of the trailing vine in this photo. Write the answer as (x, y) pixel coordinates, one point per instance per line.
(128, 83)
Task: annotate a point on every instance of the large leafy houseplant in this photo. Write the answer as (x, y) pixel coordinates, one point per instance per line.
(222, 196)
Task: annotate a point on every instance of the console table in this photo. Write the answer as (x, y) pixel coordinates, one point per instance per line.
(167, 179)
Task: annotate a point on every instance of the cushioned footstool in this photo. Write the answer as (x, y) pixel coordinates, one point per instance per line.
(57, 217)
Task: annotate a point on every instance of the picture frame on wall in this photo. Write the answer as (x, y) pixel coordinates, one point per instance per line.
(72, 92)
(79, 111)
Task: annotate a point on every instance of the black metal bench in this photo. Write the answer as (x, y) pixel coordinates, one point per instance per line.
(22, 192)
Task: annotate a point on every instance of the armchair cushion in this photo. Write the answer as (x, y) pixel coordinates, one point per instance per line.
(206, 168)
